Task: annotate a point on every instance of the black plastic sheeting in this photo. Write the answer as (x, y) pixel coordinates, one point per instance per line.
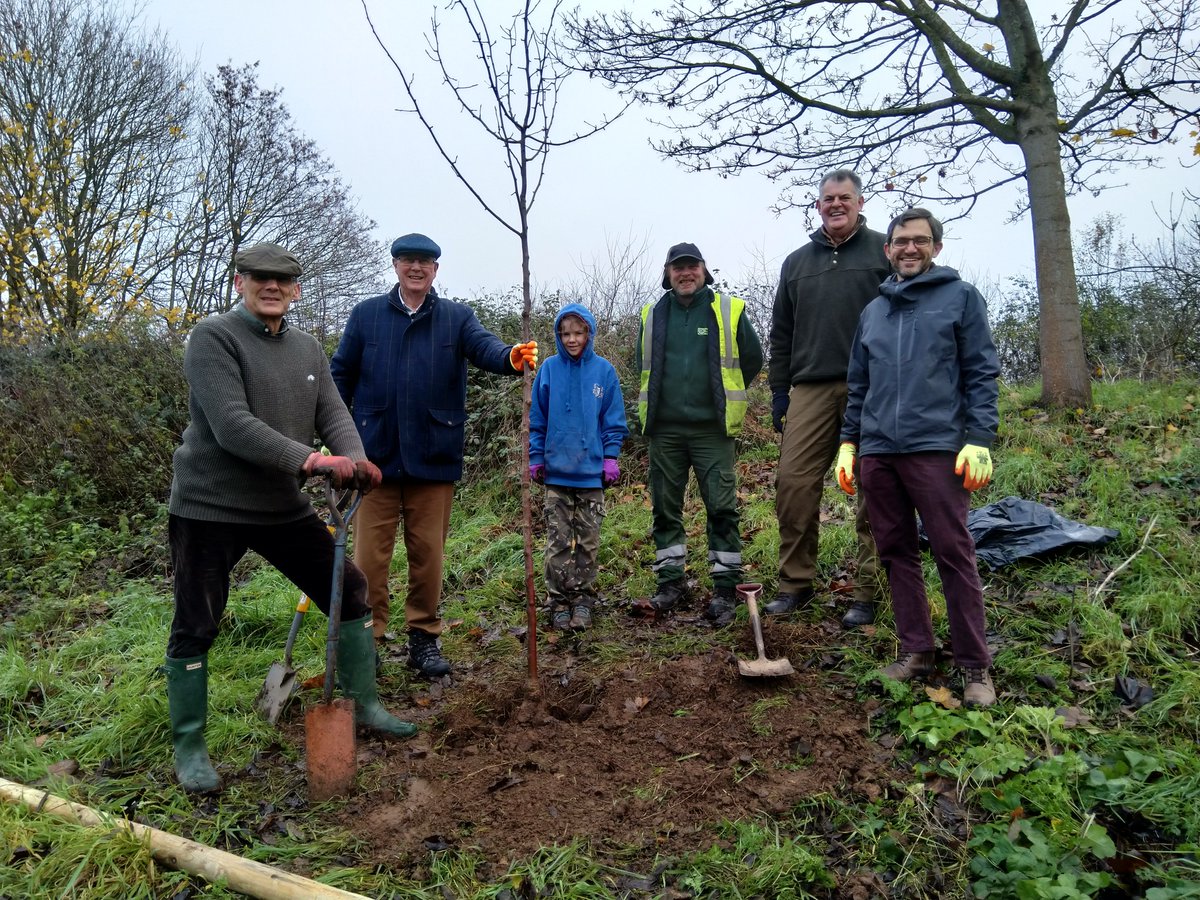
(1013, 529)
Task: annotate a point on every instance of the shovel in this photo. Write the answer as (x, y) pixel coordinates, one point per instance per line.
(280, 685)
(761, 667)
(332, 761)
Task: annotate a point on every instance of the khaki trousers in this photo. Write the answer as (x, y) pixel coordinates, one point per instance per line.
(423, 507)
(810, 442)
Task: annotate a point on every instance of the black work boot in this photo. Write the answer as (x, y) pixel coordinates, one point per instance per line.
(721, 608)
(424, 655)
(668, 596)
(786, 603)
(861, 612)
(356, 678)
(187, 701)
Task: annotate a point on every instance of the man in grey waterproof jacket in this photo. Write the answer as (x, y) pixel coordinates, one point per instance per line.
(259, 390)
(921, 417)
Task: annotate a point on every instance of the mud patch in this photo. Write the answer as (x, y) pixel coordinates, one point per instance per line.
(648, 758)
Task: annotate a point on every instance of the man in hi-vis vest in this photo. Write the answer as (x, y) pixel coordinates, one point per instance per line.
(698, 353)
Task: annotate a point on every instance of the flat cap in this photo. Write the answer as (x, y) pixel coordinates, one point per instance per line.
(415, 245)
(268, 258)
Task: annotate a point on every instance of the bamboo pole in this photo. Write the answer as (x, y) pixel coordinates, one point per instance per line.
(254, 879)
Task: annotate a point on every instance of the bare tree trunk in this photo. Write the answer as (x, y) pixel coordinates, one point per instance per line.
(526, 500)
(1066, 379)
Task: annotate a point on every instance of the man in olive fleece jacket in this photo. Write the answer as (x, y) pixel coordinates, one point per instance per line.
(823, 287)
(259, 391)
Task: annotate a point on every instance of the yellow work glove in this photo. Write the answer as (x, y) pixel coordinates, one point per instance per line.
(977, 463)
(523, 355)
(844, 467)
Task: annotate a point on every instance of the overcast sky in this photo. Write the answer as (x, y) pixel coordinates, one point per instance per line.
(611, 189)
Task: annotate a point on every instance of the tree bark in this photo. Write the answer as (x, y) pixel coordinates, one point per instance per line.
(1065, 375)
(1066, 378)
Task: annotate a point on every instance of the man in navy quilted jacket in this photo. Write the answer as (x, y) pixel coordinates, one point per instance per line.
(401, 367)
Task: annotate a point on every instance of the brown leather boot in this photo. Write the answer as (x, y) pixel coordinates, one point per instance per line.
(910, 665)
(978, 689)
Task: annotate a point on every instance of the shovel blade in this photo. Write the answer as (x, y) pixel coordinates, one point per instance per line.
(765, 668)
(276, 691)
(332, 757)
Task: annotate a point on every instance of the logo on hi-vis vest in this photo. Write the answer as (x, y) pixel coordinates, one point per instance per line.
(597, 391)
(702, 331)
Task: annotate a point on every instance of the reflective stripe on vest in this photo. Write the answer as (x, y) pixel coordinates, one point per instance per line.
(728, 311)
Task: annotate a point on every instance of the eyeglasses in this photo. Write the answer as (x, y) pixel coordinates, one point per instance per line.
(902, 242)
(281, 280)
(424, 262)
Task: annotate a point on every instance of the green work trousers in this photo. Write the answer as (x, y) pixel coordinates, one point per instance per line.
(710, 456)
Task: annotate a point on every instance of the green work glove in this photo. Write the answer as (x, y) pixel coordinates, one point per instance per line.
(977, 463)
(844, 467)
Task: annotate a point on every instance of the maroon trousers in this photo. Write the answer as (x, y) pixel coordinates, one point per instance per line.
(895, 486)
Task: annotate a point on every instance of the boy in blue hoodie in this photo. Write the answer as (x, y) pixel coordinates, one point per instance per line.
(576, 428)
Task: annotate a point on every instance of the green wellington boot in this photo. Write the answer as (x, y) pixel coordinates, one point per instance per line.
(187, 700)
(356, 677)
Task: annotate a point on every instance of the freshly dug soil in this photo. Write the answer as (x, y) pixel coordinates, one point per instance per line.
(648, 758)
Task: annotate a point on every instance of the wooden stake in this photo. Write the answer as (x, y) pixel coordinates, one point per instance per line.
(254, 879)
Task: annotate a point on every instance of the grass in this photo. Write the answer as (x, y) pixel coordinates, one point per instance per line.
(1043, 795)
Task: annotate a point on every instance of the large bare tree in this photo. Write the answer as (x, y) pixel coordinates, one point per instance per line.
(254, 177)
(513, 98)
(93, 112)
(936, 101)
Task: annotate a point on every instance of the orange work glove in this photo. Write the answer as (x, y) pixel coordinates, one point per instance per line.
(338, 468)
(977, 463)
(523, 355)
(844, 467)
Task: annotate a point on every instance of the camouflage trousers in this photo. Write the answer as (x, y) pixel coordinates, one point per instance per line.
(573, 517)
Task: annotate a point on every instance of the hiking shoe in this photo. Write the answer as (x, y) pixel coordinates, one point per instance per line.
(786, 603)
(910, 665)
(721, 608)
(861, 612)
(425, 656)
(560, 618)
(581, 618)
(668, 596)
(978, 689)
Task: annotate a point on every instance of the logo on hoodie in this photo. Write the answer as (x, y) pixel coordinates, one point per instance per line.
(597, 391)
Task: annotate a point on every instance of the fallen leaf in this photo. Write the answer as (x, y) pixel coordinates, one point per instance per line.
(943, 697)
(63, 767)
(1073, 716)
(636, 704)
(507, 781)
(1047, 681)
